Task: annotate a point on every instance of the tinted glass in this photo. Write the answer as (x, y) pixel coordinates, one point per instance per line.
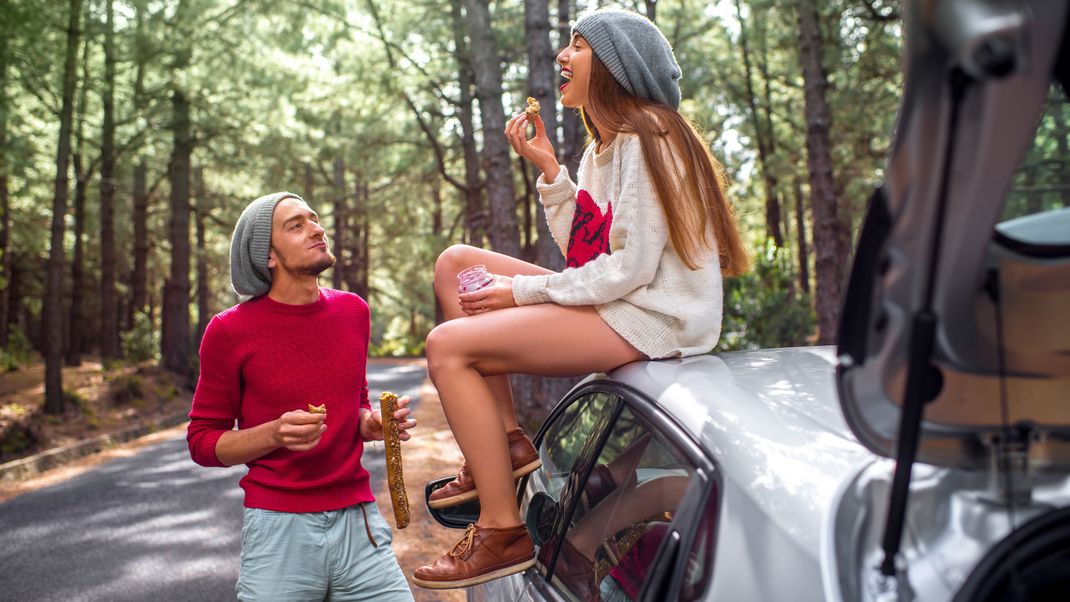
(1037, 210)
(622, 514)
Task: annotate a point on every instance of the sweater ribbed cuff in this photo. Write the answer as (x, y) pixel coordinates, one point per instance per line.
(556, 192)
(530, 290)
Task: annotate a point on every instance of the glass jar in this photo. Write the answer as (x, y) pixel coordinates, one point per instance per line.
(473, 278)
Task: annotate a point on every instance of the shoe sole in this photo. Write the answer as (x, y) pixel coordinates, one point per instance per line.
(498, 574)
(468, 496)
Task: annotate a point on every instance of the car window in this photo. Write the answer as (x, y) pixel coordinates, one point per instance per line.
(621, 514)
(1037, 209)
(567, 437)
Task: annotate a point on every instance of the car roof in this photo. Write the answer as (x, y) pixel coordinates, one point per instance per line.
(771, 422)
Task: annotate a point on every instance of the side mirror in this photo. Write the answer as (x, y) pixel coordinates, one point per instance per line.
(542, 516)
(457, 517)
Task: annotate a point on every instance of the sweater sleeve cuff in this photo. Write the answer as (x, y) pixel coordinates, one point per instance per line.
(205, 449)
(530, 290)
(558, 191)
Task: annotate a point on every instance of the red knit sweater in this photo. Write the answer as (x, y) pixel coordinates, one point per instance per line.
(261, 359)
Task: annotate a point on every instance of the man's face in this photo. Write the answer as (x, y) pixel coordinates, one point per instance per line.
(298, 242)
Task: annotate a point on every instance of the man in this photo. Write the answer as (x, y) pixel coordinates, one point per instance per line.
(311, 529)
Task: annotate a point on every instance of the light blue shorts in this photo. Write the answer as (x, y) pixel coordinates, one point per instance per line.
(334, 555)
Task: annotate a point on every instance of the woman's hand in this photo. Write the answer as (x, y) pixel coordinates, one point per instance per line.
(497, 295)
(538, 150)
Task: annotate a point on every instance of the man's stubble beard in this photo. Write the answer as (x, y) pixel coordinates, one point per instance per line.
(313, 269)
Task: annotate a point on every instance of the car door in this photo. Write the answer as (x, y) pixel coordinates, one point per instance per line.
(624, 506)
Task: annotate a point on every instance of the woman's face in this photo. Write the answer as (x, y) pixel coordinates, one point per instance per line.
(575, 61)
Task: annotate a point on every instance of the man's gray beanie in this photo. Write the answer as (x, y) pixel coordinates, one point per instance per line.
(635, 52)
(249, 273)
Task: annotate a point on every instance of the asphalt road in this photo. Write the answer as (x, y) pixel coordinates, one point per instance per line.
(154, 526)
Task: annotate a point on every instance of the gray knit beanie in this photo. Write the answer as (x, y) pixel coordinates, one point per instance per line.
(635, 52)
(249, 246)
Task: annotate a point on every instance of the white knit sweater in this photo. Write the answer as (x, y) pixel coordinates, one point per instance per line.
(642, 289)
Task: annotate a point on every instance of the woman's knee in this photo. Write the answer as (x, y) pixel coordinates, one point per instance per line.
(445, 348)
(454, 259)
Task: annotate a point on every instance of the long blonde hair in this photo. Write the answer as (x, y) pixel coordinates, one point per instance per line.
(692, 201)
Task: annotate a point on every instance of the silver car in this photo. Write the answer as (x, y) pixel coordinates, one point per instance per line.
(927, 455)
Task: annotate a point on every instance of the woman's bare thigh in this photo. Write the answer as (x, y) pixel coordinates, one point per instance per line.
(544, 340)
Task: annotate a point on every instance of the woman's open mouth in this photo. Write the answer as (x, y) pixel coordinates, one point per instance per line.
(567, 75)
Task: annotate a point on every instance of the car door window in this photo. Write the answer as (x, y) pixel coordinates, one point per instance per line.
(621, 513)
(566, 438)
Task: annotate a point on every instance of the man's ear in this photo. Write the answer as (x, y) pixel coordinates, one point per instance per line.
(273, 262)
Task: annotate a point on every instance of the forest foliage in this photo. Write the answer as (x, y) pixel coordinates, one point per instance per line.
(384, 116)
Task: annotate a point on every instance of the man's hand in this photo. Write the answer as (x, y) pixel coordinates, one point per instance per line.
(371, 422)
(299, 430)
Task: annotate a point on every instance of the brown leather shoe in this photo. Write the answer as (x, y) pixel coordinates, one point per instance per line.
(462, 489)
(482, 555)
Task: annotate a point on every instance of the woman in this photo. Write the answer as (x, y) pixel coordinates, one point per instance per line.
(647, 233)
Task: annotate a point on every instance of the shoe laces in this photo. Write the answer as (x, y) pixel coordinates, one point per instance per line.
(466, 542)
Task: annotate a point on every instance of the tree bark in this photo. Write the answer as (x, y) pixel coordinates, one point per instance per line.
(542, 76)
(572, 130)
(5, 205)
(53, 305)
(339, 242)
(75, 331)
(175, 338)
(503, 234)
(355, 271)
(651, 9)
(800, 228)
(474, 219)
(762, 137)
(109, 306)
(139, 286)
(829, 231)
(204, 309)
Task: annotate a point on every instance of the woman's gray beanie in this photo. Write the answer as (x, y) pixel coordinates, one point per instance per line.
(249, 246)
(635, 52)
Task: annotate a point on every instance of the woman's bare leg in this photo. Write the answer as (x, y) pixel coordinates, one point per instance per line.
(461, 353)
(449, 264)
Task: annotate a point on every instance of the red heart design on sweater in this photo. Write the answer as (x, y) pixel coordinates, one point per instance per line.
(590, 231)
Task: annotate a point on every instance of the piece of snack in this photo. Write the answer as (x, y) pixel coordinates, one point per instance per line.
(320, 409)
(533, 108)
(395, 479)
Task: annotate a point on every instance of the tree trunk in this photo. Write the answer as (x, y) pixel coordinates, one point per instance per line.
(542, 76)
(761, 136)
(474, 219)
(829, 231)
(5, 205)
(365, 245)
(651, 9)
(175, 338)
(568, 153)
(354, 275)
(204, 309)
(487, 67)
(109, 306)
(53, 305)
(800, 227)
(75, 332)
(436, 235)
(139, 286)
(339, 242)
